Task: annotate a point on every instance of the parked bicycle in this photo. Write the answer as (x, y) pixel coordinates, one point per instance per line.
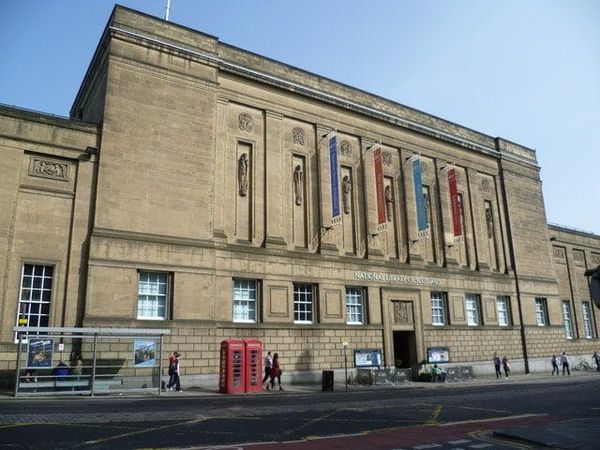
(583, 364)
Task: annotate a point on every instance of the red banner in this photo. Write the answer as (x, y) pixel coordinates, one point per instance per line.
(455, 204)
(379, 186)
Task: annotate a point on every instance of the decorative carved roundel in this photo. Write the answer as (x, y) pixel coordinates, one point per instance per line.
(246, 122)
(298, 136)
(485, 185)
(346, 148)
(386, 157)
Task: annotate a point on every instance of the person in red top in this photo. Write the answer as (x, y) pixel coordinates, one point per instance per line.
(275, 372)
(174, 372)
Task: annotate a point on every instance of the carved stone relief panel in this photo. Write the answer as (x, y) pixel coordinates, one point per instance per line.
(386, 157)
(298, 136)
(560, 255)
(595, 259)
(403, 312)
(486, 185)
(246, 122)
(579, 257)
(346, 149)
(44, 168)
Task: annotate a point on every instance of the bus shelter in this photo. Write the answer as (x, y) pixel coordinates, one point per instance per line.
(88, 361)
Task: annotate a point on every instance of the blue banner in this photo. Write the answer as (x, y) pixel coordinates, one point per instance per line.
(333, 173)
(419, 199)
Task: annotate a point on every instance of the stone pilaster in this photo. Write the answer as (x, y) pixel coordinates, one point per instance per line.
(220, 180)
(275, 174)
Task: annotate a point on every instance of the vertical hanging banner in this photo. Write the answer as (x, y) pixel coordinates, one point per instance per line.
(455, 205)
(422, 225)
(336, 216)
(379, 189)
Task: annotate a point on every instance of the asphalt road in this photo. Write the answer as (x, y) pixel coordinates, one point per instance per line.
(457, 416)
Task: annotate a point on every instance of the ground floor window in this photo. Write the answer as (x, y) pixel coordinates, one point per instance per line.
(541, 312)
(438, 308)
(355, 305)
(587, 321)
(503, 308)
(473, 306)
(244, 300)
(566, 309)
(153, 295)
(35, 295)
(303, 303)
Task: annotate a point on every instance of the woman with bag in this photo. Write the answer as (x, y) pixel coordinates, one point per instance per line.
(275, 372)
(506, 366)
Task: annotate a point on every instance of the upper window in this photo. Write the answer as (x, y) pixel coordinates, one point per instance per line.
(438, 308)
(303, 303)
(587, 320)
(35, 295)
(244, 300)
(472, 304)
(355, 305)
(153, 295)
(541, 312)
(503, 307)
(566, 309)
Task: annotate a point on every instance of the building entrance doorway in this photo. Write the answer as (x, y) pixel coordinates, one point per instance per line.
(405, 349)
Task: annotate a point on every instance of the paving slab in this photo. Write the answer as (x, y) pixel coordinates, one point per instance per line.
(576, 434)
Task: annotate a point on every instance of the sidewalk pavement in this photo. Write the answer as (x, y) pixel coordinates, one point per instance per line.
(339, 386)
(521, 378)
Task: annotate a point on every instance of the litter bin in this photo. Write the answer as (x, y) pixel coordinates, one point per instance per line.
(327, 380)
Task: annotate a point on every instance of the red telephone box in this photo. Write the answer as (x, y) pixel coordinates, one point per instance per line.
(232, 369)
(253, 365)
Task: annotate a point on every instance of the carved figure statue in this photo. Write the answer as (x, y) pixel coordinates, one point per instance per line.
(243, 174)
(427, 206)
(298, 184)
(389, 202)
(489, 220)
(346, 190)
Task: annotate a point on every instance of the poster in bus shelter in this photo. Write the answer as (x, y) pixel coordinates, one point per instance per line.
(144, 353)
(39, 352)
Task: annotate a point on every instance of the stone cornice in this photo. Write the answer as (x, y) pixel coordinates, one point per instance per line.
(511, 152)
(47, 119)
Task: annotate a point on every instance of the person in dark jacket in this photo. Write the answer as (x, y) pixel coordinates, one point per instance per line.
(61, 370)
(276, 372)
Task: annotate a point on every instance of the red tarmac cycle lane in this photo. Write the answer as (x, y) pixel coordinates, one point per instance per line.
(402, 437)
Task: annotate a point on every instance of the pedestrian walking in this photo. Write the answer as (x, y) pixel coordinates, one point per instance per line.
(554, 364)
(276, 372)
(497, 364)
(596, 358)
(268, 366)
(506, 366)
(174, 379)
(564, 360)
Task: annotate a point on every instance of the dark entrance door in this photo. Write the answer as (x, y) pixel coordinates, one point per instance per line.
(405, 349)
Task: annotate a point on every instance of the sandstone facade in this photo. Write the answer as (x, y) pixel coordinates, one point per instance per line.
(191, 190)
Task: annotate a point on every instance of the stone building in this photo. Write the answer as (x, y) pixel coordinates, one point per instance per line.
(193, 189)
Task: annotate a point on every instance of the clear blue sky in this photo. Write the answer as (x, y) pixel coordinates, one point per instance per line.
(528, 71)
